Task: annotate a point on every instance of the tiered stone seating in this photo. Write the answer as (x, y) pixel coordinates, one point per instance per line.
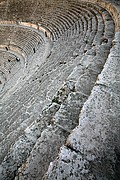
(23, 98)
(26, 40)
(19, 37)
(66, 118)
(23, 42)
(36, 124)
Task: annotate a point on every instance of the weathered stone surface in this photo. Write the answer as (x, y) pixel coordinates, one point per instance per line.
(50, 141)
(72, 165)
(63, 47)
(95, 143)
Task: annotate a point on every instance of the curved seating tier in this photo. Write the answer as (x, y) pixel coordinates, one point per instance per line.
(25, 39)
(22, 43)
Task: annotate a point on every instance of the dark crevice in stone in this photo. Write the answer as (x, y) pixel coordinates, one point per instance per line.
(71, 148)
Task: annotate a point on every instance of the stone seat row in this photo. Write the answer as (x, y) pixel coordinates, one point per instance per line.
(70, 17)
(20, 37)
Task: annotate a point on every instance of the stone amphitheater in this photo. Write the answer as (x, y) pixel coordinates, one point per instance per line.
(59, 89)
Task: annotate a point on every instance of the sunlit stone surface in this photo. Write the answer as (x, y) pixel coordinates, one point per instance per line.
(60, 90)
